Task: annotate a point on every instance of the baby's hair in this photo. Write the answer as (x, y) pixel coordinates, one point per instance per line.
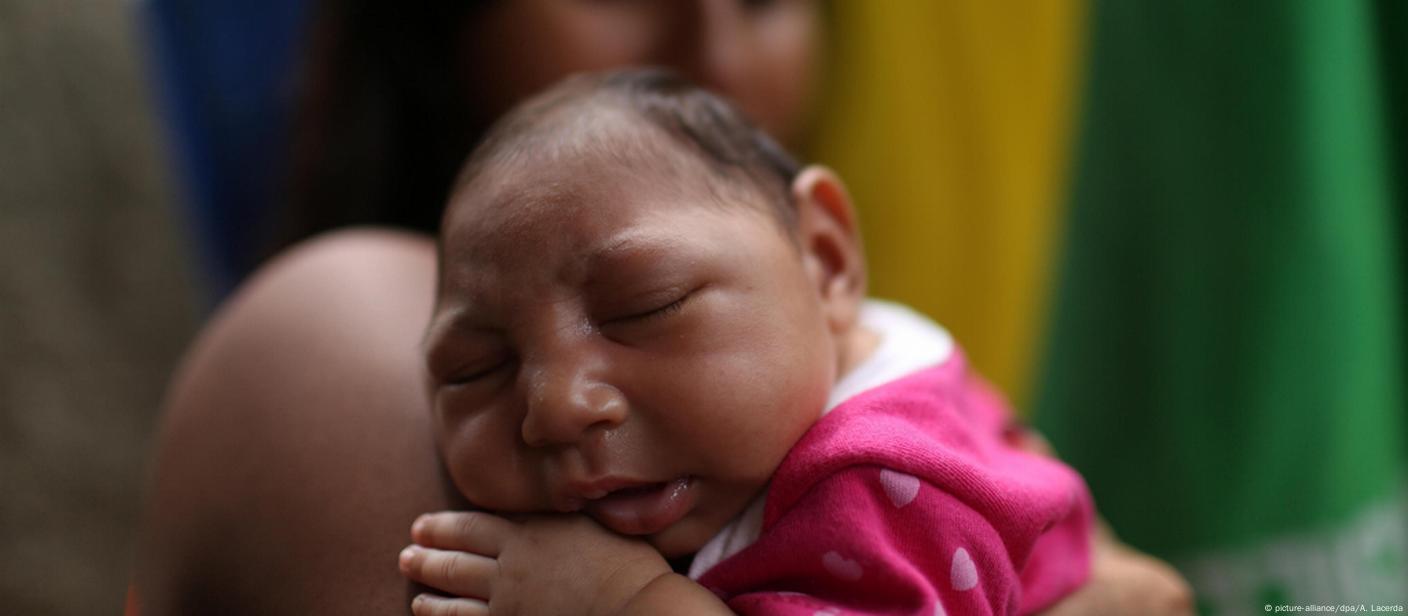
(601, 114)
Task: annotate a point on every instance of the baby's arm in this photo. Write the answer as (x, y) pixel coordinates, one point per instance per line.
(559, 564)
(673, 593)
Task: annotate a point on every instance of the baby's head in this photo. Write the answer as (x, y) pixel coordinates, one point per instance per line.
(643, 304)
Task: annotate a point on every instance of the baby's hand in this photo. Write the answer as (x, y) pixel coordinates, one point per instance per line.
(552, 564)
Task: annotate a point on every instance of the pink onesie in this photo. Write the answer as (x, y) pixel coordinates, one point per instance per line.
(906, 499)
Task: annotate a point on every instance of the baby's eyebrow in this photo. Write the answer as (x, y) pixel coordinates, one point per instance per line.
(438, 328)
(450, 322)
(632, 246)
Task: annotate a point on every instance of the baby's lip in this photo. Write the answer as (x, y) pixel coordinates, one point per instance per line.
(644, 508)
(574, 494)
(592, 489)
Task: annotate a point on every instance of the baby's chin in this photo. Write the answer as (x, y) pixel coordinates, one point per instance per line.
(683, 538)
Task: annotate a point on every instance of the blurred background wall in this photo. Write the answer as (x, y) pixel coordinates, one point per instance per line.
(96, 300)
(1225, 355)
(1174, 234)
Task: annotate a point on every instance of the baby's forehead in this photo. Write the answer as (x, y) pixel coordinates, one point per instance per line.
(549, 244)
(534, 193)
(585, 134)
(567, 173)
(545, 183)
(552, 216)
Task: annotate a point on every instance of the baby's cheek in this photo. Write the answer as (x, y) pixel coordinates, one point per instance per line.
(483, 464)
(495, 487)
(749, 450)
(758, 450)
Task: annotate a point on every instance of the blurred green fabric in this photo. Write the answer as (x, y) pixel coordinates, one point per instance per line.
(1225, 361)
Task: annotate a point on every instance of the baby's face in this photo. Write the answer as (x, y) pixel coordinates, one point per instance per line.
(614, 344)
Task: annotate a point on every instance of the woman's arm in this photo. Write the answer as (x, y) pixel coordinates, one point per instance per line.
(296, 447)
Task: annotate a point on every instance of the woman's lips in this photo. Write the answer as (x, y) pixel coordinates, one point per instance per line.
(644, 510)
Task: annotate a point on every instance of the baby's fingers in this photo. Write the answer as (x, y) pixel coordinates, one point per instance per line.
(456, 573)
(431, 605)
(466, 531)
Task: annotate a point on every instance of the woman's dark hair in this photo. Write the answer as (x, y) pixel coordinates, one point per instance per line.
(382, 122)
(384, 117)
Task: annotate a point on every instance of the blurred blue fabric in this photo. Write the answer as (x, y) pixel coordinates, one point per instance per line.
(224, 71)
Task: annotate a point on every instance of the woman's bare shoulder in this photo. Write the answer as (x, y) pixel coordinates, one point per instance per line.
(339, 279)
(296, 449)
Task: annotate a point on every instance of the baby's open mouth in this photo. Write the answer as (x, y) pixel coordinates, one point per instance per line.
(644, 509)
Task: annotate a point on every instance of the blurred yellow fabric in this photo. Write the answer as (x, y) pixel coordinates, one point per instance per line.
(950, 122)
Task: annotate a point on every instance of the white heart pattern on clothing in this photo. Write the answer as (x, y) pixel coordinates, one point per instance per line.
(901, 488)
(963, 574)
(841, 567)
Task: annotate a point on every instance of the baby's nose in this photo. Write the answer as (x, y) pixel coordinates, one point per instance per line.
(563, 408)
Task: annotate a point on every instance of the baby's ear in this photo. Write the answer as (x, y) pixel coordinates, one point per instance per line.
(830, 243)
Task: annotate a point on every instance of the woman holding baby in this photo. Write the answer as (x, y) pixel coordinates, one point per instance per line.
(297, 449)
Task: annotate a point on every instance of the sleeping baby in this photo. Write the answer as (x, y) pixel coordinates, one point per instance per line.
(654, 366)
